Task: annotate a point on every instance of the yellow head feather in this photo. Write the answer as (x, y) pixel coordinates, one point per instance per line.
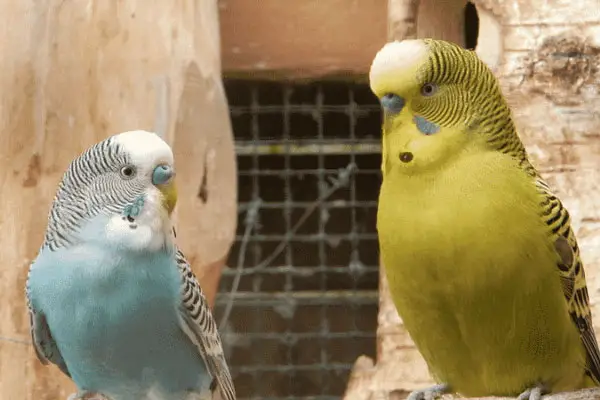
(439, 100)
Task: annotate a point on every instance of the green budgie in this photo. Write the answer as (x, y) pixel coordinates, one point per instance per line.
(483, 265)
(113, 302)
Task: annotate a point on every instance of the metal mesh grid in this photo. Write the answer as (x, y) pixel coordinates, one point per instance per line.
(298, 303)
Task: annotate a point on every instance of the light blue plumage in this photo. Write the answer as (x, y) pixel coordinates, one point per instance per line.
(113, 302)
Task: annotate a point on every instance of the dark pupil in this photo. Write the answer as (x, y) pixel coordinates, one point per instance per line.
(428, 89)
(127, 171)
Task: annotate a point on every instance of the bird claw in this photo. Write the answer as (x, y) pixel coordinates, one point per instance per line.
(534, 393)
(430, 393)
(87, 396)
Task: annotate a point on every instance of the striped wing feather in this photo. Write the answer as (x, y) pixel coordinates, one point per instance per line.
(200, 326)
(572, 275)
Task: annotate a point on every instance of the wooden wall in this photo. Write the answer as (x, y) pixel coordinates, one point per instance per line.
(74, 73)
(301, 38)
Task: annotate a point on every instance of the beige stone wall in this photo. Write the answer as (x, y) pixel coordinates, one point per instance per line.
(74, 73)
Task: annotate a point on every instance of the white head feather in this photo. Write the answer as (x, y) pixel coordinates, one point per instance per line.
(82, 197)
(393, 58)
(146, 150)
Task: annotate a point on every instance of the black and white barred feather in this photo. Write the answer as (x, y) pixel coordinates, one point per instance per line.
(87, 189)
(474, 92)
(199, 324)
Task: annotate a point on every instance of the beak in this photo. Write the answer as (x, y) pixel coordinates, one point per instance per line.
(163, 178)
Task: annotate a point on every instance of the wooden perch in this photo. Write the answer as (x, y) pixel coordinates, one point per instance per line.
(547, 52)
(88, 396)
(363, 386)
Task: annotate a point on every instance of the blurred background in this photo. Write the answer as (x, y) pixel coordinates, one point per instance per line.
(276, 137)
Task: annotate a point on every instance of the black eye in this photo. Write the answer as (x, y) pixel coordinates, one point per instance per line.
(429, 89)
(128, 171)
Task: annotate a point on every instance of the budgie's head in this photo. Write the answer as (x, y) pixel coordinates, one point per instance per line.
(119, 191)
(438, 101)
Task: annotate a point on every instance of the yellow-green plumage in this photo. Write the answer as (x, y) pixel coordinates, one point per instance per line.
(481, 260)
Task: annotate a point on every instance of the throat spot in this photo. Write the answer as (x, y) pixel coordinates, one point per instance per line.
(406, 157)
(133, 210)
(131, 220)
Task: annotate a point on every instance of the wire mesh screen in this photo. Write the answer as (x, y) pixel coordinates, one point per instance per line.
(298, 303)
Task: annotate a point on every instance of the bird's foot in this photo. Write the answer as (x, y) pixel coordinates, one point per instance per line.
(534, 393)
(430, 393)
(83, 395)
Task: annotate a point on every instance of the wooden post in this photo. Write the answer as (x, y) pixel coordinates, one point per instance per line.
(442, 19)
(74, 73)
(261, 38)
(545, 54)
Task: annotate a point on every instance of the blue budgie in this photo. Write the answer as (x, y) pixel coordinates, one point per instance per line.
(112, 301)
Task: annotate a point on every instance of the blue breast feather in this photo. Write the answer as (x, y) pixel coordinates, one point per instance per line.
(114, 316)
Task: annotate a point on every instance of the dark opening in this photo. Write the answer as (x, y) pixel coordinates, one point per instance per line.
(308, 159)
(471, 26)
